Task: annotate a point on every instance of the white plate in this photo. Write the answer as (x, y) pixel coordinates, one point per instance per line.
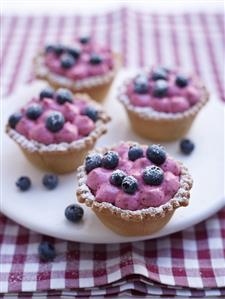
(43, 211)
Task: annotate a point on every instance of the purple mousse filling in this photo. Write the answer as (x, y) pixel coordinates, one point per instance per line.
(164, 90)
(133, 177)
(80, 61)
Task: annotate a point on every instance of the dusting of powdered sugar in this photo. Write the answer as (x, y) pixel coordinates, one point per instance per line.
(150, 113)
(89, 82)
(32, 145)
(181, 198)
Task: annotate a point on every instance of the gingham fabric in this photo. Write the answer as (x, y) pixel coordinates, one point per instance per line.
(189, 263)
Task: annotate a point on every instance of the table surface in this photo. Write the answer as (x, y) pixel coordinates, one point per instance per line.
(90, 6)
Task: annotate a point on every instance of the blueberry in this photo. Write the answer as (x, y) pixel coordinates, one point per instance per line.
(159, 73)
(110, 160)
(186, 146)
(55, 121)
(91, 112)
(49, 49)
(129, 185)
(63, 95)
(74, 213)
(141, 84)
(181, 81)
(14, 119)
(34, 111)
(46, 251)
(48, 92)
(93, 161)
(75, 52)
(135, 152)
(156, 154)
(67, 61)
(153, 175)
(95, 59)
(23, 183)
(58, 49)
(160, 88)
(84, 39)
(50, 181)
(117, 177)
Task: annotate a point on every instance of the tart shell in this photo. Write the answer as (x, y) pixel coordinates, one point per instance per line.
(96, 87)
(65, 157)
(159, 126)
(134, 223)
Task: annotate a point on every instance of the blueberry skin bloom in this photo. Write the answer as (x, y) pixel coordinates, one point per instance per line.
(64, 95)
(67, 61)
(153, 175)
(55, 122)
(14, 119)
(23, 183)
(117, 177)
(50, 181)
(135, 152)
(46, 251)
(129, 185)
(91, 112)
(186, 146)
(160, 88)
(34, 111)
(48, 92)
(110, 160)
(95, 59)
(181, 81)
(141, 84)
(156, 154)
(93, 161)
(74, 213)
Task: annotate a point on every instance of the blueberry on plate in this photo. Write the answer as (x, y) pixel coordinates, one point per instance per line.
(93, 161)
(141, 84)
(117, 177)
(63, 95)
(67, 61)
(159, 73)
(181, 81)
(129, 185)
(34, 111)
(91, 112)
(50, 181)
(46, 251)
(58, 49)
(153, 175)
(135, 152)
(156, 154)
(110, 160)
(95, 59)
(186, 146)
(47, 92)
(55, 121)
(84, 39)
(160, 88)
(23, 183)
(75, 52)
(14, 119)
(74, 213)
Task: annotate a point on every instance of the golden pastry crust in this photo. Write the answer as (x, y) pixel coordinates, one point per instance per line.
(138, 222)
(62, 157)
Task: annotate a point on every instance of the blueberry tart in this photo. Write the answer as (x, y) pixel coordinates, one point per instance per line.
(56, 129)
(133, 197)
(162, 103)
(83, 67)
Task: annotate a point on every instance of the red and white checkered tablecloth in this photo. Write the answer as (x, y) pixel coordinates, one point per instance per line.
(190, 263)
